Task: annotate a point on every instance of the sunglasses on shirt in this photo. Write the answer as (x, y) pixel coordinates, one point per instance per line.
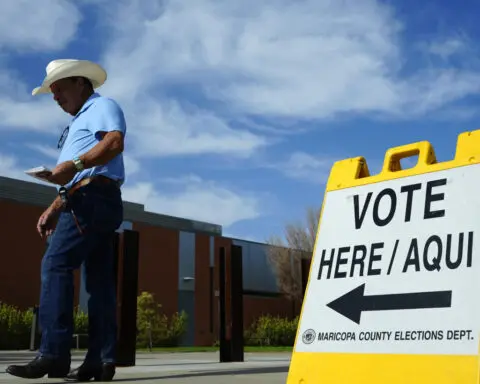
(63, 137)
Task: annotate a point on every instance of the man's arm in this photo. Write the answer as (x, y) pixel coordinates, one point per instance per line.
(55, 207)
(111, 145)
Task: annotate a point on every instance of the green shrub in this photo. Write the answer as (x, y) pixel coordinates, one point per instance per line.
(156, 328)
(80, 321)
(15, 326)
(80, 327)
(272, 330)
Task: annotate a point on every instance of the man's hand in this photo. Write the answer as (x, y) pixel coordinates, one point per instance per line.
(63, 173)
(46, 223)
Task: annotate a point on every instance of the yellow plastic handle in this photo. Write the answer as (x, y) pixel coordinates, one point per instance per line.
(422, 149)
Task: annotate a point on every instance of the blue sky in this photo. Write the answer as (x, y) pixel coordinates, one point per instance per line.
(236, 110)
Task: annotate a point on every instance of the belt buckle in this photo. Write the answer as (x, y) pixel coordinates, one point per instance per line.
(63, 193)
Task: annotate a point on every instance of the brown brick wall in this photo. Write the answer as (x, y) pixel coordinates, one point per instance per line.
(158, 270)
(158, 264)
(255, 307)
(22, 252)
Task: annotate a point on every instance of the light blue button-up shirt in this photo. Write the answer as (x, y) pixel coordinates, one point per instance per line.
(98, 114)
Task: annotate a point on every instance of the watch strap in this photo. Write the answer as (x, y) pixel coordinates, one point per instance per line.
(78, 163)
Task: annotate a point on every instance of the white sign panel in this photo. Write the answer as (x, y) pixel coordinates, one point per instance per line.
(396, 268)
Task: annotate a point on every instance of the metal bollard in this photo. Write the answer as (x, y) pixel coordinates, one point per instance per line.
(34, 329)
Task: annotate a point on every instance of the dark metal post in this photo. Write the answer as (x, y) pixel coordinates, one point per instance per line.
(225, 347)
(127, 290)
(34, 330)
(236, 278)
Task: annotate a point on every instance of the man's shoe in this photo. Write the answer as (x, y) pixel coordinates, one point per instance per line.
(39, 367)
(88, 371)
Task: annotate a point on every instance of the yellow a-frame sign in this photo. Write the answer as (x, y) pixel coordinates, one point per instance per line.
(394, 284)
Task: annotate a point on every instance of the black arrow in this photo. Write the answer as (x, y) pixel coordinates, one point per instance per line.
(353, 303)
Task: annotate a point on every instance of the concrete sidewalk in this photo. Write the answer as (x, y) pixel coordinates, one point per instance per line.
(198, 368)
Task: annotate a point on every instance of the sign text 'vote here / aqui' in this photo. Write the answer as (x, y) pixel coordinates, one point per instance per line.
(396, 271)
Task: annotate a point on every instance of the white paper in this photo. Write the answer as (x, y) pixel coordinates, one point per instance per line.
(39, 173)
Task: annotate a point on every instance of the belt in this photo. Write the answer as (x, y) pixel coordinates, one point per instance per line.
(102, 180)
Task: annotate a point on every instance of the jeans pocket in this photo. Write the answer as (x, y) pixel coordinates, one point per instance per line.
(106, 216)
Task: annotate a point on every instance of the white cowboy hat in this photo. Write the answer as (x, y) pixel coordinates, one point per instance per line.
(63, 68)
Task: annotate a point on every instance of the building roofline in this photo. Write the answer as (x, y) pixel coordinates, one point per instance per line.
(37, 194)
(305, 254)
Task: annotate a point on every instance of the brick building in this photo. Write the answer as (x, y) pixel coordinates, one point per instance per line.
(177, 262)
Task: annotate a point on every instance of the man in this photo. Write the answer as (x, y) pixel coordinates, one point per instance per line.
(82, 224)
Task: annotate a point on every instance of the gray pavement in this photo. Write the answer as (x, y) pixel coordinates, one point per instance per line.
(195, 368)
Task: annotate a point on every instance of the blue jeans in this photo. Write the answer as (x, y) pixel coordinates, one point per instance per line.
(99, 211)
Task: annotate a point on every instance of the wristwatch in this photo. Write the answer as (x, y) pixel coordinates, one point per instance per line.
(78, 163)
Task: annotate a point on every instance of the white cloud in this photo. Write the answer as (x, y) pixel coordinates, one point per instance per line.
(334, 57)
(39, 116)
(45, 150)
(447, 47)
(132, 165)
(38, 26)
(304, 166)
(10, 167)
(434, 88)
(159, 127)
(165, 129)
(193, 76)
(195, 199)
(27, 26)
